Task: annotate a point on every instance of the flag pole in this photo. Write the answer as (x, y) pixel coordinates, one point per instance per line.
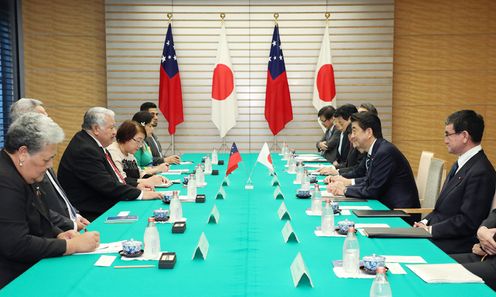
(223, 147)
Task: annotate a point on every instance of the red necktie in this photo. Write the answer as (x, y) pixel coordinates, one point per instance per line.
(117, 172)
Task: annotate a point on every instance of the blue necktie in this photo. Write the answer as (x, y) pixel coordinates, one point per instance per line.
(453, 170)
(367, 161)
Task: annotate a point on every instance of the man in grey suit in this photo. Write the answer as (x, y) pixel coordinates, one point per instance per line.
(467, 193)
(328, 144)
(153, 142)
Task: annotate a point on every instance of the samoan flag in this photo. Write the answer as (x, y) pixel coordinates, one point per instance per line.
(278, 110)
(234, 159)
(170, 98)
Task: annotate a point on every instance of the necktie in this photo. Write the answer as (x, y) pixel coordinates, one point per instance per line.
(111, 162)
(453, 170)
(58, 188)
(367, 161)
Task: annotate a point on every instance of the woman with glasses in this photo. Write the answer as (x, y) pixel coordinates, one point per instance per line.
(130, 138)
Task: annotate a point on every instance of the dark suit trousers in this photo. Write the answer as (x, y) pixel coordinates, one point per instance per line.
(486, 270)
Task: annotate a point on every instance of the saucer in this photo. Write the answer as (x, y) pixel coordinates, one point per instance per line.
(303, 196)
(362, 268)
(122, 253)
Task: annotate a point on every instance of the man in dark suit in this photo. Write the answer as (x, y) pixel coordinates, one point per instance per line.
(482, 260)
(467, 193)
(152, 140)
(87, 171)
(328, 144)
(389, 178)
(343, 121)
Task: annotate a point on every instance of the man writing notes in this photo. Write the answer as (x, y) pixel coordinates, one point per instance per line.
(466, 196)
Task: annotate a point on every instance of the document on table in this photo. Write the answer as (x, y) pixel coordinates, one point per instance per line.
(444, 273)
(404, 259)
(105, 248)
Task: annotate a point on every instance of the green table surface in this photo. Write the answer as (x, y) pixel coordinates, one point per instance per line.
(247, 254)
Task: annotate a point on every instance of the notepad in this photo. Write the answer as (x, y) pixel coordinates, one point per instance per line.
(444, 273)
(380, 213)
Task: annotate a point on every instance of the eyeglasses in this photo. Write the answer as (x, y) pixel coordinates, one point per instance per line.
(138, 142)
(446, 134)
(323, 121)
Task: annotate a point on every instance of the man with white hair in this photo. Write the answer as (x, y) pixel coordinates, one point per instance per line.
(66, 216)
(87, 171)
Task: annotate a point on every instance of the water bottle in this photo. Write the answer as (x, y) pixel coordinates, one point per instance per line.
(151, 240)
(283, 149)
(291, 164)
(208, 165)
(316, 200)
(299, 173)
(327, 219)
(305, 180)
(351, 252)
(380, 285)
(199, 176)
(215, 157)
(176, 210)
(191, 187)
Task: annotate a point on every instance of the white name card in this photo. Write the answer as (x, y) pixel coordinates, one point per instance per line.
(278, 194)
(283, 212)
(275, 181)
(288, 233)
(226, 181)
(201, 249)
(214, 216)
(221, 194)
(299, 272)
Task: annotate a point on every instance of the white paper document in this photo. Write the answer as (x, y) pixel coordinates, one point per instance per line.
(105, 248)
(444, 273)
(360, 227)
(404, 259)
(319, 233)
(395, 268)
(186, 199)
(105, 261)
(354, 207)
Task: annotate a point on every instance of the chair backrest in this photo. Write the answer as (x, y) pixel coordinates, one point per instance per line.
(423, 172)
(493, 206)
(434, 183)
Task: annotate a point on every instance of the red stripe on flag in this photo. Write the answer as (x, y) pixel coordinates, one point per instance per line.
(278, 109)
(170, 99)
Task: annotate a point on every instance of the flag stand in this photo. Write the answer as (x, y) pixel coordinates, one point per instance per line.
(172, 146)
(249, 183)
(275, 144)
(223, 147)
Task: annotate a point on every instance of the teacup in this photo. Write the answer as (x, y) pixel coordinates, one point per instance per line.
(131, 247)
(344, 225)
(312, 179)
(370, 263)
(335, 207)
(167, 197)
(185, 180)
(161, 214)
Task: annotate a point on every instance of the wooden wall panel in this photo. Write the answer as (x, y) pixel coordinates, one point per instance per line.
(444, 61)
(64, 58)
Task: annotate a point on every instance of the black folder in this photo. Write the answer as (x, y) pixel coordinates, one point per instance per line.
(374, 232)
(380, 213)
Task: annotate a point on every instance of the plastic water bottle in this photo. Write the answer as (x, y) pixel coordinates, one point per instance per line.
(215, 157)
(191, 187)
(351, 252)
(291, 164)
(283, 149)
(151, 240)
(299, 173)
(176, 209)
(199, 176)
(305, 180)
(208, 165)
(327, 219)
(316, 200)
(380, 286)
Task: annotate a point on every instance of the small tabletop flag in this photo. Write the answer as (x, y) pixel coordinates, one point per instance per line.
(264, 157)
(234, 159)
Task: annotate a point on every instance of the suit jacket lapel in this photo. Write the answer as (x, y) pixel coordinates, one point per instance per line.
(457, 178)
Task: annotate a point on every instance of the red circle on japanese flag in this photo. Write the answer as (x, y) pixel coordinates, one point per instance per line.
(222, 83)
(325, 83)
(269, 158)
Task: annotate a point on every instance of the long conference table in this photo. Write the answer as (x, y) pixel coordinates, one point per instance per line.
(247, 253)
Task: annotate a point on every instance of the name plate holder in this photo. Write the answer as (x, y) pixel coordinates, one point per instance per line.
(299, 272)
(283, 213)
(275, 181)
(221, 194)
(288, 233)
(214, 216)
(226, 182)
(278, 194)
(201, 250)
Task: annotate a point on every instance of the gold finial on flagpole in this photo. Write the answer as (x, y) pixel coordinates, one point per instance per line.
(169, 16)
(327, 15)
(222, 15)
(276, 16)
